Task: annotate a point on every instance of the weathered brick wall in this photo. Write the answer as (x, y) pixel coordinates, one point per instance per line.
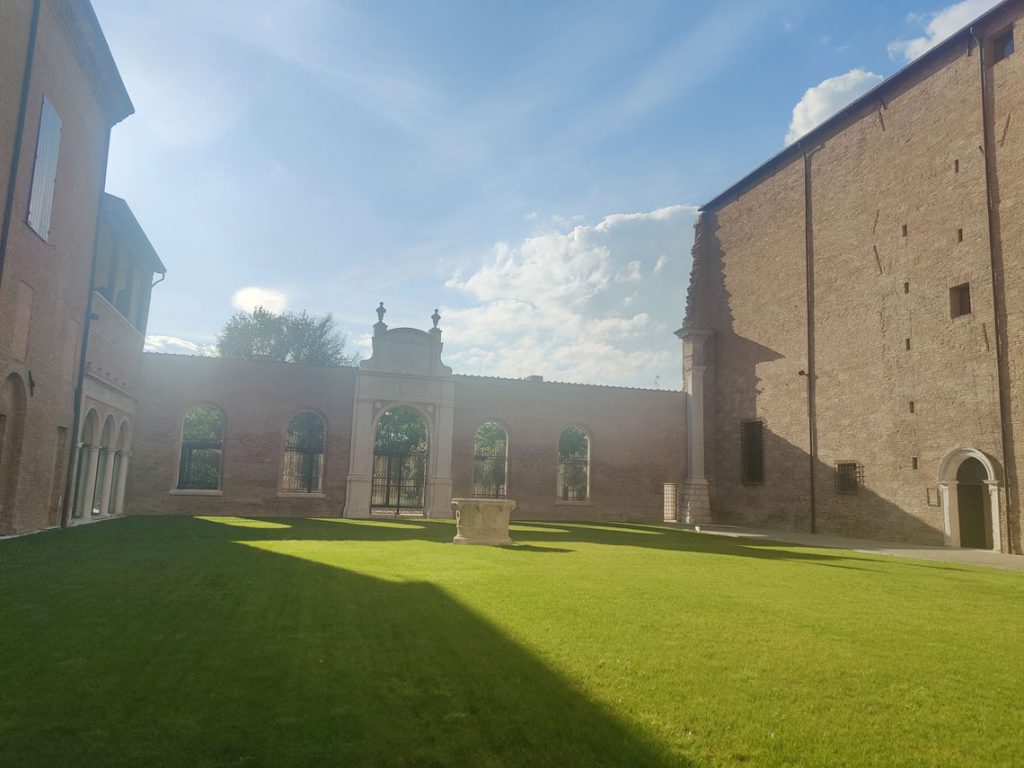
(760, 345)
(258, 399)
(637, 439)
(1006, 147)
(637, 444)
(888, 203)
(898, 217)
(52, 277)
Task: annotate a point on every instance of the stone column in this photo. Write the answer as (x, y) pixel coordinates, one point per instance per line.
(696, 506)
(108, 482)
(93, 455)
(992, 487)
(119, 483)
(359, 486)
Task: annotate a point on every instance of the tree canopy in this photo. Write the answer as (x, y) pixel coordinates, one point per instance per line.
(289, 337)
(401, 429)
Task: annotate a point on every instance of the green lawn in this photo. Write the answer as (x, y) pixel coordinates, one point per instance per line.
(223, 642)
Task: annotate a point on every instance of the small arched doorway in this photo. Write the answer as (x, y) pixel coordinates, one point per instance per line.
(971, 506)
(400, 462)
(969, 492)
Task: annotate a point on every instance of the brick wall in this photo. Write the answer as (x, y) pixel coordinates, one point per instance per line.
(45, 283)
(636, 437)
(897, 191)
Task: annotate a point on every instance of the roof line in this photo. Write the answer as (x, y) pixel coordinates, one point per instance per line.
(796, 147)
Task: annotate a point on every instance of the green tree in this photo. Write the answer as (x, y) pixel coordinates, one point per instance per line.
(401, 429)
(288, 337)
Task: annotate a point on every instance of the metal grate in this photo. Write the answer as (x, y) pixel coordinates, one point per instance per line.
(399, 480)
(490, 473)
(573, 477)
(304, 454)
(202, 448)
(849, 477)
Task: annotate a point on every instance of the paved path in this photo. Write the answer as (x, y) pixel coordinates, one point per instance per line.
(898, 549)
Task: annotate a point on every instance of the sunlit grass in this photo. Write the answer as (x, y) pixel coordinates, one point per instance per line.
(227, 641)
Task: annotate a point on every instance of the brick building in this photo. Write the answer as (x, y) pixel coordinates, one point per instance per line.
(632, 439)
(853, 355)
(60, 94)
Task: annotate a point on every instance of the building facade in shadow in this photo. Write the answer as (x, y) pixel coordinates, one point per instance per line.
(856, 311)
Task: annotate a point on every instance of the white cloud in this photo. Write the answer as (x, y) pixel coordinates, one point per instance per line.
(828, 97)
(586, 305)
(174, 345)
(250, 297)
(937, 27)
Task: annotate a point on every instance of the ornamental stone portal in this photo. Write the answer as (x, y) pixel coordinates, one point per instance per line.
(405, 368)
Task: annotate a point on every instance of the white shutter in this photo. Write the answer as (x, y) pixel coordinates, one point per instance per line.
(40, 203)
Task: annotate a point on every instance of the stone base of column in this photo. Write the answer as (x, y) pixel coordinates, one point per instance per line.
(696, 506)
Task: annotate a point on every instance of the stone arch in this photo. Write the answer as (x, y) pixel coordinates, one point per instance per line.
(103, 491)
(401, 460)
(950, 495)
(12, 432)
(87, 458)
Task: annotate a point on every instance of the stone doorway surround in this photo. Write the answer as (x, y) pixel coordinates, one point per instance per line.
(405, 368)
(949, 497)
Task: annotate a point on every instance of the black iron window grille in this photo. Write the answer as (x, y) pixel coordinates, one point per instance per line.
(489, 475)
(202, 449)
(304, 455)
(849, 477)
(573, 471)
(752, 452)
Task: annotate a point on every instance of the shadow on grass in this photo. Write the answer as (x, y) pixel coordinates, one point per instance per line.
(167, 642)
(534, 536)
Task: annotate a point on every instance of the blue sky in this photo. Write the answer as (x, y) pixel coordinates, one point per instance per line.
(530, 168)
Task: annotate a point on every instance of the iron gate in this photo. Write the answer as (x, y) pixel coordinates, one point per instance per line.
(399, 480)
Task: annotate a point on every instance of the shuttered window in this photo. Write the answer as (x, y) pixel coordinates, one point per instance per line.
(40, 204)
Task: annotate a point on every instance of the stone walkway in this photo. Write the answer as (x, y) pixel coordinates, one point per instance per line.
(897, 549)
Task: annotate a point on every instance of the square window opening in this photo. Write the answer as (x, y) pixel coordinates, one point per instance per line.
(849, 477)
(1002, 45)
(960, 300)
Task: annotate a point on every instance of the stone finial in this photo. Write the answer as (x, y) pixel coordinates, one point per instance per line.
(436, 317)
(380, 313)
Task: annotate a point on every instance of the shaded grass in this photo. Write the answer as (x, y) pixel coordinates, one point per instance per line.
(221, 642)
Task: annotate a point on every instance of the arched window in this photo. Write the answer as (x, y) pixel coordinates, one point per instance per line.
(400, 461)
(88, 458)
(304, 454)
(573, 465)
(104, 470)
(202, 449)
(490, 461)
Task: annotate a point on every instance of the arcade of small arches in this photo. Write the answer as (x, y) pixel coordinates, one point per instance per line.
(101, 466)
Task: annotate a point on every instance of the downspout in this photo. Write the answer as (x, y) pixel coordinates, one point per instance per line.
(65, 510)
(812, 418)
(19, 133)
(998, 304)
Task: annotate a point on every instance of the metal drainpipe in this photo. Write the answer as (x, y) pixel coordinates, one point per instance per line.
(19, 133)
(812, 425)
(997, 329)
(65, 508)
